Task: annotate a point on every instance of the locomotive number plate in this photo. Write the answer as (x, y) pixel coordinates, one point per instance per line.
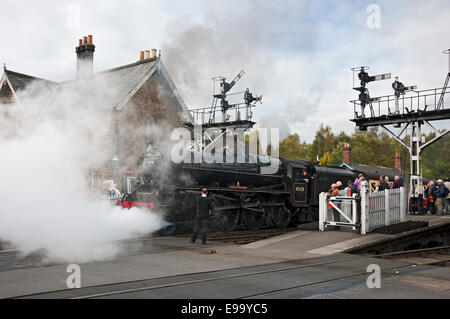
(300, 193)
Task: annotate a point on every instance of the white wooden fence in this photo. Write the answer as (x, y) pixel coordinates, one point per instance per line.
(367, 212)
(108, 197)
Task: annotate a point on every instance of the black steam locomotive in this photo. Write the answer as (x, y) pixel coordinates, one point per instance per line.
(243, 194)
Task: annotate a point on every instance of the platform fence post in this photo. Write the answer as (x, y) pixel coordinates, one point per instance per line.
(354, 208)
(364, 209)
(322, 211)
(403, 204)
(387, 208)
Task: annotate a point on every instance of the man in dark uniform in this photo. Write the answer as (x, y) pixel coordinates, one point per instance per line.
(202, 217)
(304, 176)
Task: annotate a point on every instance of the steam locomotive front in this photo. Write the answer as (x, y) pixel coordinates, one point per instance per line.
(150, 170)
(146, 190)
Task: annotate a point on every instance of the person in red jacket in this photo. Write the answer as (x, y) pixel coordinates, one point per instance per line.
(430, 194)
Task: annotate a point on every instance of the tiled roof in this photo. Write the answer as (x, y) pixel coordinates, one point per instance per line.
(104, 90)
(374, 172)
(107, 89)
(19, 81)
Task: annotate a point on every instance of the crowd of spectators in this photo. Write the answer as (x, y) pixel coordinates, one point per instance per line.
(437, 197)
(436, 194)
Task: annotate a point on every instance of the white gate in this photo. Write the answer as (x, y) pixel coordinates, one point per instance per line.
(337, 211)
(375, 210)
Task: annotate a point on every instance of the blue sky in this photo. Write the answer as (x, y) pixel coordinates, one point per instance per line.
(297, 53)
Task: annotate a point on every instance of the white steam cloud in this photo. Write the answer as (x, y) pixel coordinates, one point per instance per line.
(44, 208)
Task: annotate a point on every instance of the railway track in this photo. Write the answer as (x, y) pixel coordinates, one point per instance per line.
(130, 288)
(430, 256)
(121, 287)
(245, 236)
(12, 259)
(439, 256)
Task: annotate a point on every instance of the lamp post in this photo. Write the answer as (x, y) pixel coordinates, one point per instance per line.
(115, 166)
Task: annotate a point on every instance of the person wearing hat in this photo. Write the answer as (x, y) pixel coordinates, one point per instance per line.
(333, 191)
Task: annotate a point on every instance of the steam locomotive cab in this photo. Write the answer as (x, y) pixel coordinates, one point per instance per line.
(299, 188)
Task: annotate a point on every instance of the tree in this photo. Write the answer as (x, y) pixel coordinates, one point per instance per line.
(325, 160)
(324, 141)
(291, 147)
(372, 147)
(436, 158)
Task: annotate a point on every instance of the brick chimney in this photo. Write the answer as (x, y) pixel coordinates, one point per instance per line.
(398, 162)
(85, 56)
(347, 154)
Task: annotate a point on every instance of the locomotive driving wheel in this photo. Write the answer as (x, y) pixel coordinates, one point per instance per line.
(281, 216)
(225, 215)
(225, 220)
(254, 216)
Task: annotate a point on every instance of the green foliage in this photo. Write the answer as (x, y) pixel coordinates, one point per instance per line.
(436, 158)
(372, 148)
(325, 160)
(291, 147)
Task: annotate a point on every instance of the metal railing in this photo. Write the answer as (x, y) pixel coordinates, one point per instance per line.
(414, 100)
(237, 112)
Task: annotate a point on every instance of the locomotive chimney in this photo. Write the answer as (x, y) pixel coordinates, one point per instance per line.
(398, 161)
(85, 56)
(347, 154)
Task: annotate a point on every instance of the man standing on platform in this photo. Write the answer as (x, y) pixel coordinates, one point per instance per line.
(441, 194)
(202, 216)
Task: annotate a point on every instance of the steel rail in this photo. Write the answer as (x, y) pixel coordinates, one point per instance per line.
(188, 282)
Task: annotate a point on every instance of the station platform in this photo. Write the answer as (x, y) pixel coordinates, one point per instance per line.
(299, 264)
